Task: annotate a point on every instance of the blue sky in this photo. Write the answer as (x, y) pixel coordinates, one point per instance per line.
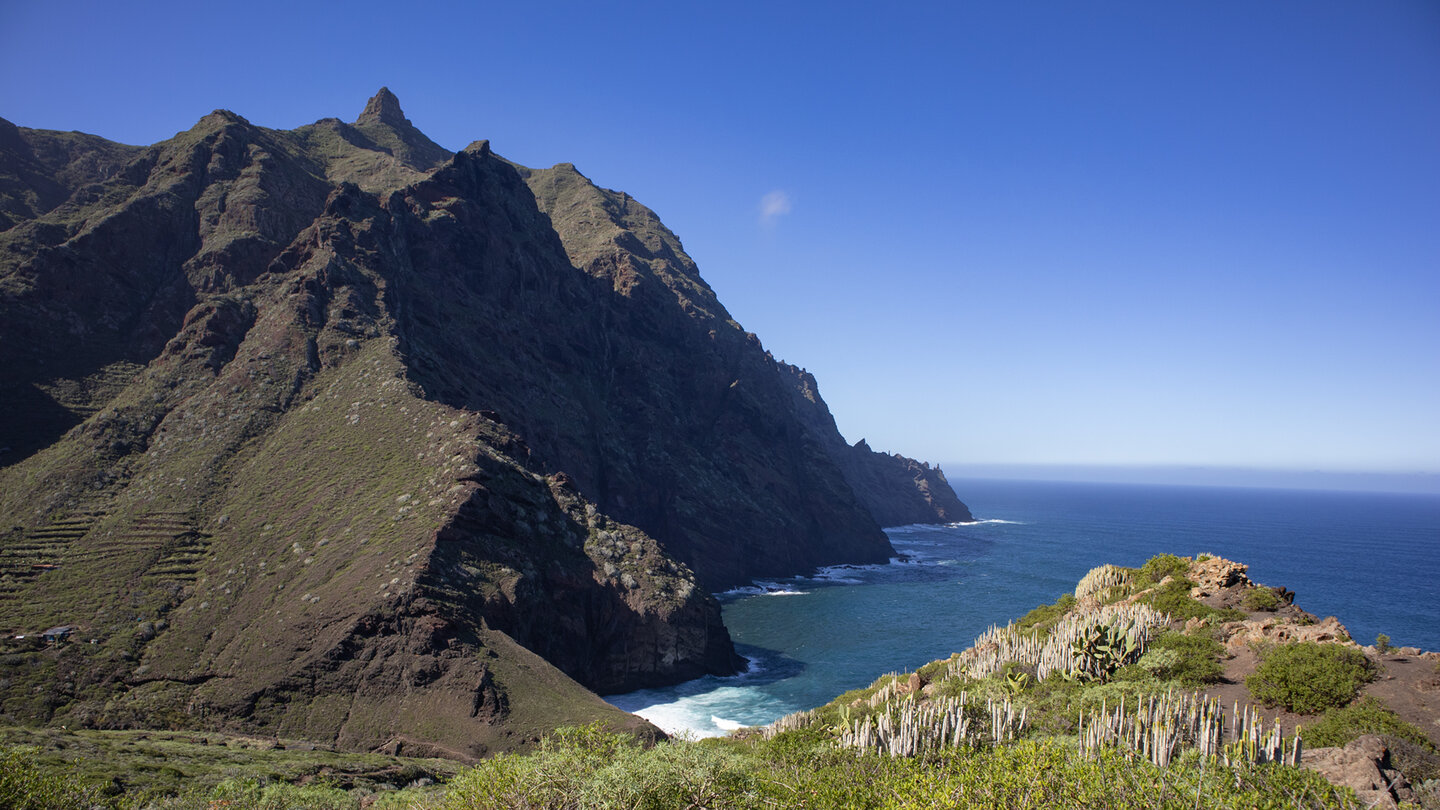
(1034, 233)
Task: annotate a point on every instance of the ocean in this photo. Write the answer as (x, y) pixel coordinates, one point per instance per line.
(1371, 559)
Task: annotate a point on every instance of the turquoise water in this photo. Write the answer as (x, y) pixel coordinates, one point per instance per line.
(1372, 559)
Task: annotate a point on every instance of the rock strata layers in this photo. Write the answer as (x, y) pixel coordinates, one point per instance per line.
(334, 434)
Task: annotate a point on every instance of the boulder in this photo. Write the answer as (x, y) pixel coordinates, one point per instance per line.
(912, 685)
(1364, 766)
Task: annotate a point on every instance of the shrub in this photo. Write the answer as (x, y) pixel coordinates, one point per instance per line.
(935, 670)
(550, 777)
(1045, 616)
(1411, 752)
(511, 780)
(1382, 643)
(26, 786)
(953, 687)
(1365, 716)
(674, 775)
(1174, 598)
(1054, 704)
(1261, 599)
(1163, 565)
(1192, 660)
(1308, 677)
(1046, 773)
(1142, 671)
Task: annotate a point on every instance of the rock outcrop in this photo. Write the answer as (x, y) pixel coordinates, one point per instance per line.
(1284, 630)
(1364, 766)
(1214, 574)
(334, 434)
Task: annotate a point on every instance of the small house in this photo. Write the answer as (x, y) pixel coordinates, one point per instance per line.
(56, 635)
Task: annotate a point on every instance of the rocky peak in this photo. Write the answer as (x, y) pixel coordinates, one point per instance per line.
(388, 131)
(220, 118)
(383, 108)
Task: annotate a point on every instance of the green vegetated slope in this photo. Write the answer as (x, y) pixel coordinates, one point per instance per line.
(1097, 700)
(335, 435)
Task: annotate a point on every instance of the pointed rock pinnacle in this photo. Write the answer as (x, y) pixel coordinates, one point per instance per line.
(383, 108)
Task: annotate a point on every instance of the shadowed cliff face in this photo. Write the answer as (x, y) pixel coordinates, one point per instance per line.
(330, 433)
(662, 410)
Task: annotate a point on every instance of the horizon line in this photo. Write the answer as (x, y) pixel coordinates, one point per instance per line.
(1426, 482)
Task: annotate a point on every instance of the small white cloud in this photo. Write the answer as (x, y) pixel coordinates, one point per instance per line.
(774, 205)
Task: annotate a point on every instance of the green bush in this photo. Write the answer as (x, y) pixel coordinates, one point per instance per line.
(1365, 716)
(25, 786)
(582, 768)
(1045, 616)
(1382, 643)
(1174, 598)
(1308, 677)
(675, 775)
(284, 796)
(1189, 659)
(1160, 566)
(1053, 705)
(250, 794)
(1261, 599)
(1411, 752)
(1142, 671)
(935, 670)
(1047, 773)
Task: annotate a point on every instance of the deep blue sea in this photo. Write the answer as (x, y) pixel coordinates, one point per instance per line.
(1371, 559)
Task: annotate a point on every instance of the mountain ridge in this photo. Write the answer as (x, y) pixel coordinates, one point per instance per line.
(312, 431)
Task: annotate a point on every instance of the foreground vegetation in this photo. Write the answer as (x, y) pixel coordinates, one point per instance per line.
(589, 768)
(804, 769)
(55, 768)
(1088, 702)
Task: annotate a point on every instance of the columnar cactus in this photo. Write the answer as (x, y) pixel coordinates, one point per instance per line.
(1157, 727)
(1102, 582)
(908, 727)
(1085, 644)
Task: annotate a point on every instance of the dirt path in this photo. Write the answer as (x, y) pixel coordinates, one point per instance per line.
(1410, 686)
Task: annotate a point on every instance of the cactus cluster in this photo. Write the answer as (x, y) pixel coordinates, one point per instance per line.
(1101, 583)
(1158, 727)
(890, 691)
(1089, 645)
(910, 727)
(1085, 644)
(790, 722)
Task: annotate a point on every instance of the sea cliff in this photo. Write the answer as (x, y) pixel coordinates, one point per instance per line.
(333, 433)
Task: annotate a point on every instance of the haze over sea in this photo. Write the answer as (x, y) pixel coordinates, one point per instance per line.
(1371, 559)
